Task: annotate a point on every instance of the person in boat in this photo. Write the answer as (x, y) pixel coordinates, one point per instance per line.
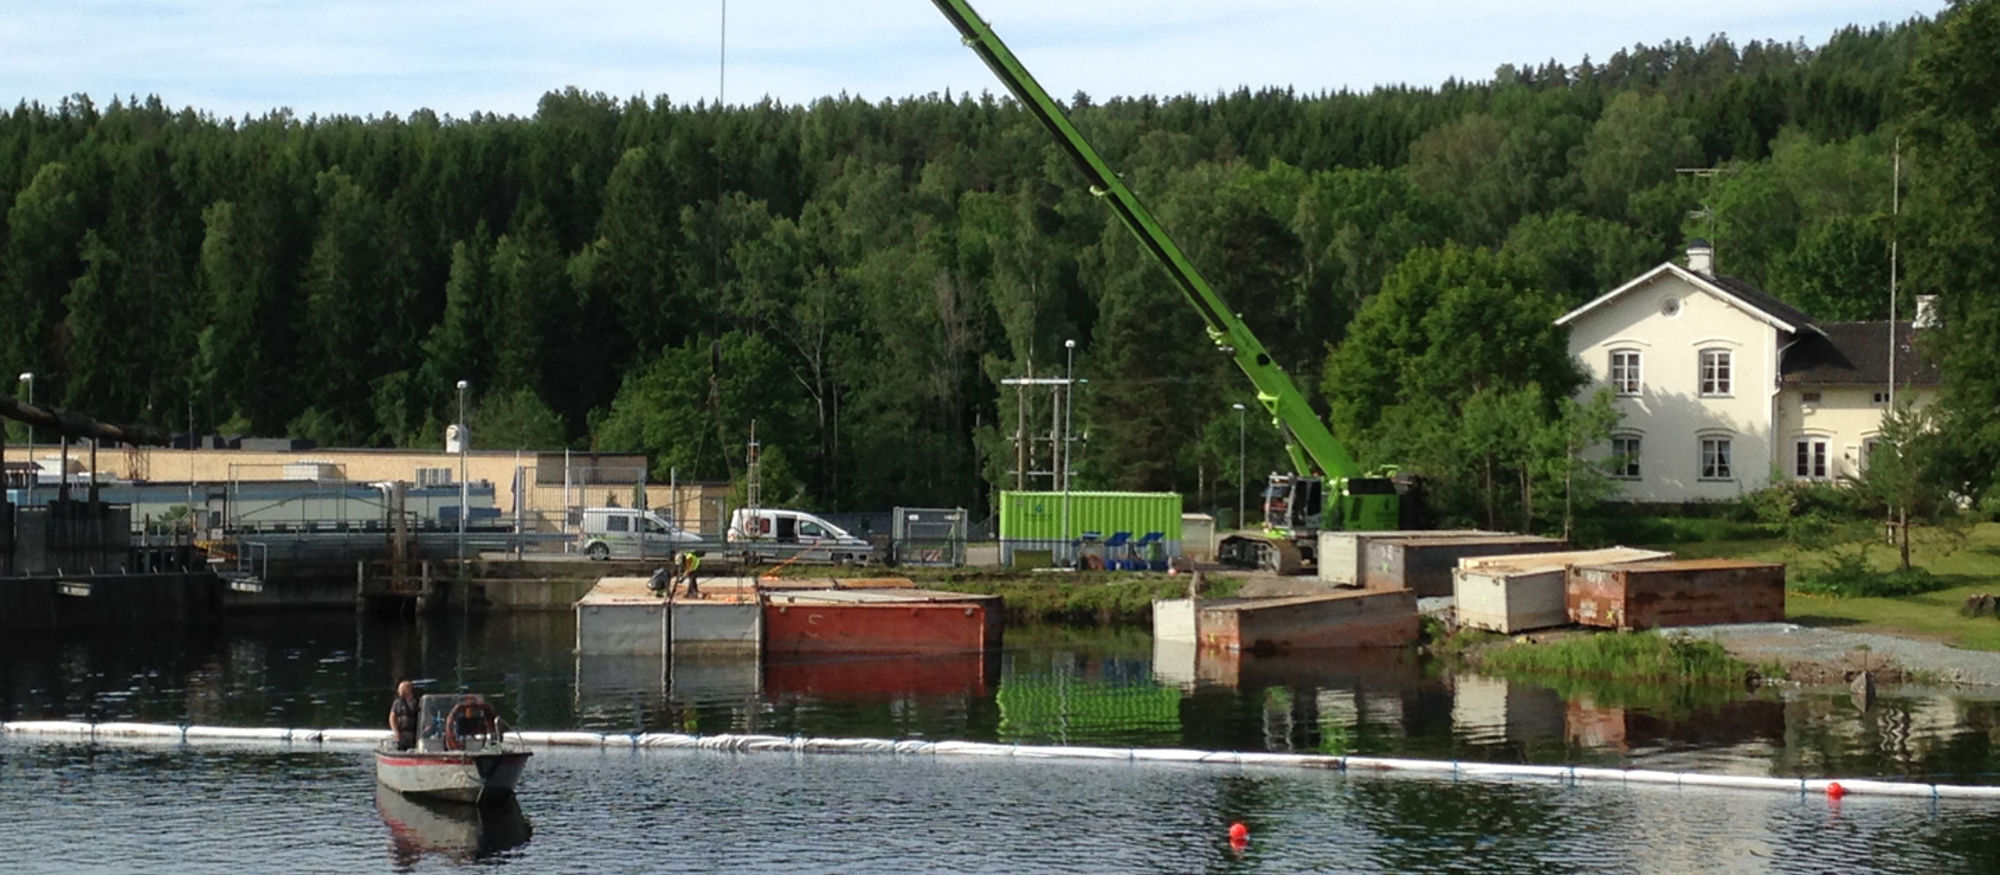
(403, 716)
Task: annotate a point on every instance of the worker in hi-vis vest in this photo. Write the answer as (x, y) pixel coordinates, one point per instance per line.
(690, 562)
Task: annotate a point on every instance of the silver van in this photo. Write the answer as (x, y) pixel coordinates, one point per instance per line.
(629, 533)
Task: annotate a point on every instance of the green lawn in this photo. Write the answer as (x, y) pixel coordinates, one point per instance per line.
(1971, 567)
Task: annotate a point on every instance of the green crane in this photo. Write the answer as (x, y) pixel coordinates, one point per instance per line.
(1295, 504)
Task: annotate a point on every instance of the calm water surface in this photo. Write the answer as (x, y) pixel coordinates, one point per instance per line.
(74, 807)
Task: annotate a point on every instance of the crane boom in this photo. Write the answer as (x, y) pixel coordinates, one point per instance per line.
(1312, 447)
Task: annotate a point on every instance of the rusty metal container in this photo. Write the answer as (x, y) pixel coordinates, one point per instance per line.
(880, 621)
(1676, 592)
(1516, 593)
(1424, 565)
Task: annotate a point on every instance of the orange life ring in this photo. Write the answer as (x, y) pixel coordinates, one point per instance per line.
(470, 709)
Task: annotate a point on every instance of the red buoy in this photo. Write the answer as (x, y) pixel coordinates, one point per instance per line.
(1834, 790)
(1238, 832)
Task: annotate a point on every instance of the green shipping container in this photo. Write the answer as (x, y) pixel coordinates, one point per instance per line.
(1038, 516)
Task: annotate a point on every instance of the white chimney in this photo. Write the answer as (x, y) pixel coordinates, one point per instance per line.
(1927, 312)
(1701, 257)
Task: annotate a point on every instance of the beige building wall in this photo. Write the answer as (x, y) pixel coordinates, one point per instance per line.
(1847, 418)
(1670, 322)
(698, 505)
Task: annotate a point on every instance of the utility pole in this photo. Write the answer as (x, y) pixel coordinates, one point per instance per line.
(34, 471)
(1240, 487)
(752, 485)
(464, 488)
(1062, 467)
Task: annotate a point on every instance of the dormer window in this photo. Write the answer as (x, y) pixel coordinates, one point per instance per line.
(1625, 371)
(1715, 372)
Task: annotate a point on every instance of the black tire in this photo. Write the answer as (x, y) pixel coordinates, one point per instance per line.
(598, 552)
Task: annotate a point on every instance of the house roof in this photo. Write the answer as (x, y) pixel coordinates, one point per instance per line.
(1764, 301)
(1751, 299)
(1857, 353)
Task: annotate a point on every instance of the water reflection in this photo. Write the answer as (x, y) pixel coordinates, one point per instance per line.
(1049, 686)
(453, 830)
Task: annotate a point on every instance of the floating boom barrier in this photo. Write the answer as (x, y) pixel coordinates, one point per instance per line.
(115, 733)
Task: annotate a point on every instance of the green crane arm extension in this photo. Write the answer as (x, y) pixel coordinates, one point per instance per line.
(1312, 446)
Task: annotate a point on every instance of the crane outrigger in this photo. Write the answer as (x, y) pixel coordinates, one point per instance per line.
(1328, 488)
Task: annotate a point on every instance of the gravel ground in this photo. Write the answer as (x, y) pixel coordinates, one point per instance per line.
(1815, 654)
(1793, 643)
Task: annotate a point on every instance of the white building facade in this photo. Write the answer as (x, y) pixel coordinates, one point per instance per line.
(1724, 388)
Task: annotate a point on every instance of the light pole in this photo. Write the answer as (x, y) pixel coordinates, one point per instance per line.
(1239, 465)
(464, 488)
(1069, 407)
(34, 471)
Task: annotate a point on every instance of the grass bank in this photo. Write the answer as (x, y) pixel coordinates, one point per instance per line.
(1965, 569)
(1087, 597)
(1636, 657)
(1077, 598)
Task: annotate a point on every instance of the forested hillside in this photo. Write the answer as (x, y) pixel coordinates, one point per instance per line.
(857, 277)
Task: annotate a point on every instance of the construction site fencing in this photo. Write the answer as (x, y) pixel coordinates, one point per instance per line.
(1090, 553)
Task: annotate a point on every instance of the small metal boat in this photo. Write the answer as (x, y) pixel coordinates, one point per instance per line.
(461, 753)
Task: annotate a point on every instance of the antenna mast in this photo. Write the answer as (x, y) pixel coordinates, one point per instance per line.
(1895, 210)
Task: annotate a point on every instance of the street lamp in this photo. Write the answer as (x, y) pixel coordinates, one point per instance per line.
(1239, 465)
(1069, 407)
(464, 488)
(34, 471)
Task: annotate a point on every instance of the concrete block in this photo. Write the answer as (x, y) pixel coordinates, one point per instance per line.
(632, 629)
(1349, 619)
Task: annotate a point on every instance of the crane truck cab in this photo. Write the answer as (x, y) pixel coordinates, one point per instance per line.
(774, 534)
(630, 533)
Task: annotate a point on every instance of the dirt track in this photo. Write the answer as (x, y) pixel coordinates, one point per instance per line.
(1820, 655)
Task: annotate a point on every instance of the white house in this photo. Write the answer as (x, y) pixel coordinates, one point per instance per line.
(1724, 387)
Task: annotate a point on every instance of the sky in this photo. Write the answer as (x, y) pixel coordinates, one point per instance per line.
(372, 57)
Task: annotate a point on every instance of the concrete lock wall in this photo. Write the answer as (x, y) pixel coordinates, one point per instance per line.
(109, 600)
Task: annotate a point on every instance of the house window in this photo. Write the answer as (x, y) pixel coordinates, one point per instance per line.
(1625, 456)
(1881, 397)
(1809, 398)
(1715, 459)
(1715, 372)
(1625, 371)
(1869, 448)
(1809, 458)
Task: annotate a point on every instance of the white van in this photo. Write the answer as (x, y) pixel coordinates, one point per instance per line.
(764, 533)
(628, 533)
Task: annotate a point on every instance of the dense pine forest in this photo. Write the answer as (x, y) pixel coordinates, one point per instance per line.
(858, 277)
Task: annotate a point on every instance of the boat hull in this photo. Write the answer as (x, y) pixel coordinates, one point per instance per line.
(453, 775)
